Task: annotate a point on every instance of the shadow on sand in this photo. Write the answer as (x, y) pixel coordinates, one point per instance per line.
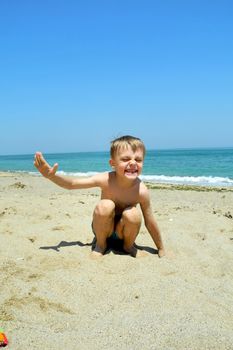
(115, 246)
(66, 244)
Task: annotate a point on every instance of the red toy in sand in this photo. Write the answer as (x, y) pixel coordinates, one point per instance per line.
(3, 339)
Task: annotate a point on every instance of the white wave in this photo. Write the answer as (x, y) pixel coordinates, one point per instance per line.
(65, 173)
(34, 173)
(189, 180)
(78, 174)
(179, 180)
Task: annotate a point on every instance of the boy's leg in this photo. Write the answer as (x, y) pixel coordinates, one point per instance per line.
(103, 224)
(128, 228)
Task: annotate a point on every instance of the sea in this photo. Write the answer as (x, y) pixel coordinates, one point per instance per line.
(202, 167)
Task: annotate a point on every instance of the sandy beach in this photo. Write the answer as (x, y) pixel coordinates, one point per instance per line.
(55, 296)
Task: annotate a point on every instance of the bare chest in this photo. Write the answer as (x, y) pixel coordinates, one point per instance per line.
(122, 198)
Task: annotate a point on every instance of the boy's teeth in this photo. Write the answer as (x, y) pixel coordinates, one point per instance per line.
(131, 171)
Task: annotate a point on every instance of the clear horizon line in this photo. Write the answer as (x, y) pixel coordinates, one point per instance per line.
(107, 151)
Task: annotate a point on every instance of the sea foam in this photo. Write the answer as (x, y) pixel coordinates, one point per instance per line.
(178, 180)
(163, 179)
(189, 180)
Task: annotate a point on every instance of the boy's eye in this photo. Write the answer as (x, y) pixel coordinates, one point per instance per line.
(127, 159)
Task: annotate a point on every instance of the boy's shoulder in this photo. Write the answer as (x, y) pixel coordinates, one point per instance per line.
(143, 186)
(100, 178)
(143, 191)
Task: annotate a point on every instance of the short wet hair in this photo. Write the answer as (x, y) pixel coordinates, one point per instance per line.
(126, 141)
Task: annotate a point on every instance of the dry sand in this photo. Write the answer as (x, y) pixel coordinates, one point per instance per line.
(54, 296)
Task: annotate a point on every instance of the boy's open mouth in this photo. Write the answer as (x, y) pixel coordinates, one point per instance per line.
(131, 171)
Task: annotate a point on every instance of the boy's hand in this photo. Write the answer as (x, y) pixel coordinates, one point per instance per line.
(44, 168)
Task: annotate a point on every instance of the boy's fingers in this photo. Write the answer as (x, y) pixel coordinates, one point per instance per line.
(37, 158)
(38, 155)
(54, 169)
(40, 159)
(41, 164)
(36, 163)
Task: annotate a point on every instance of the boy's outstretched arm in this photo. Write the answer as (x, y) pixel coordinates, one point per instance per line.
(150, 222)
(64, 181)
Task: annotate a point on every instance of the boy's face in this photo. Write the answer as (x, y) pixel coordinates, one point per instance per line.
(127, 163)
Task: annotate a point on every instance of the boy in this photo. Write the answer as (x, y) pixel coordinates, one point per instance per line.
(116, 215)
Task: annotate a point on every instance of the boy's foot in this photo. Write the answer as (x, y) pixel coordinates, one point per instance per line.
(136, 253)
(161, 253)
(97, 252)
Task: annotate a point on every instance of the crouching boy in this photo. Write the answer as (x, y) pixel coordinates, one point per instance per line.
(117, 214)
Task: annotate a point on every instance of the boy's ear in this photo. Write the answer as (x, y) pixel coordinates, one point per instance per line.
(111, 162)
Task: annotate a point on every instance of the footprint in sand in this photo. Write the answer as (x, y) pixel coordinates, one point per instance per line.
(5, 315)
(33, 276)
(47, 217)
(43, 304)
(31, 239)
(18, 185)
(8, 211)
(228, 215)
(2, 213)
(60, 228)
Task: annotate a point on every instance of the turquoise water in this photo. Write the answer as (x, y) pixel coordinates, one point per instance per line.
(188, 166)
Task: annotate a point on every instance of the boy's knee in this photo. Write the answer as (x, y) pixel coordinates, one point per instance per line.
(132, 215)
(105, 207)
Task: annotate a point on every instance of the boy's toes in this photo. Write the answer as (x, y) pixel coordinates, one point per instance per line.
(141, 253)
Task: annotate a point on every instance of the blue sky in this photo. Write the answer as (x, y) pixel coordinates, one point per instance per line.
(76, 74)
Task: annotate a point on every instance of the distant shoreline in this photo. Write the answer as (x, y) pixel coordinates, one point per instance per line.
(197, 188)
(205, 168)
(150, 185)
